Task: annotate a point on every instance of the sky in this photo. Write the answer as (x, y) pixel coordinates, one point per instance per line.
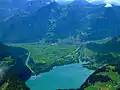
(64, 1)
(108, 3)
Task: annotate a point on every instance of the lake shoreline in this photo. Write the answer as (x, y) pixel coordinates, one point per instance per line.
(67, 72)
(62, 65)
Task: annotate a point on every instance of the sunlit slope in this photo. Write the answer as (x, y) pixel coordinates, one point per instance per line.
(105, 78)
(102, 53)
(105, 57)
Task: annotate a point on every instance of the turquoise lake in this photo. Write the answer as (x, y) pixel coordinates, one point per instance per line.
(68, 76)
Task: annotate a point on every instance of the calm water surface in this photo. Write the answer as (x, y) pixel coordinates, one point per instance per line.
(68, 76)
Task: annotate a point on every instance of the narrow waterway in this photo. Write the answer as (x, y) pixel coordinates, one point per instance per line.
(68, 76)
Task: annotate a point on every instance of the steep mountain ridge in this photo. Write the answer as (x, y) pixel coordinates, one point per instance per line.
(13, 7)
(55, 22)
(36, 25)
(106, 24)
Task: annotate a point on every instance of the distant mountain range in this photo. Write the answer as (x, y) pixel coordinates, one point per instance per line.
(55, 22)
(12, 7)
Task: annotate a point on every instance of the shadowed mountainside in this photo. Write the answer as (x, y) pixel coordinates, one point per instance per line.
(14, 72)
(55, 22)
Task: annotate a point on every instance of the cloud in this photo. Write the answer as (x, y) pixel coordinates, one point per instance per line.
(108, 3)
(64, 1)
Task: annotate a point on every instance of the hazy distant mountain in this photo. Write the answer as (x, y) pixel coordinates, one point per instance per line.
(34, 26)
(106, 24)
(54, 21)
(12, 7)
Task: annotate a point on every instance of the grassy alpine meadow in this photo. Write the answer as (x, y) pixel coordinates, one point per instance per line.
(48, 53)
(47, 56)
